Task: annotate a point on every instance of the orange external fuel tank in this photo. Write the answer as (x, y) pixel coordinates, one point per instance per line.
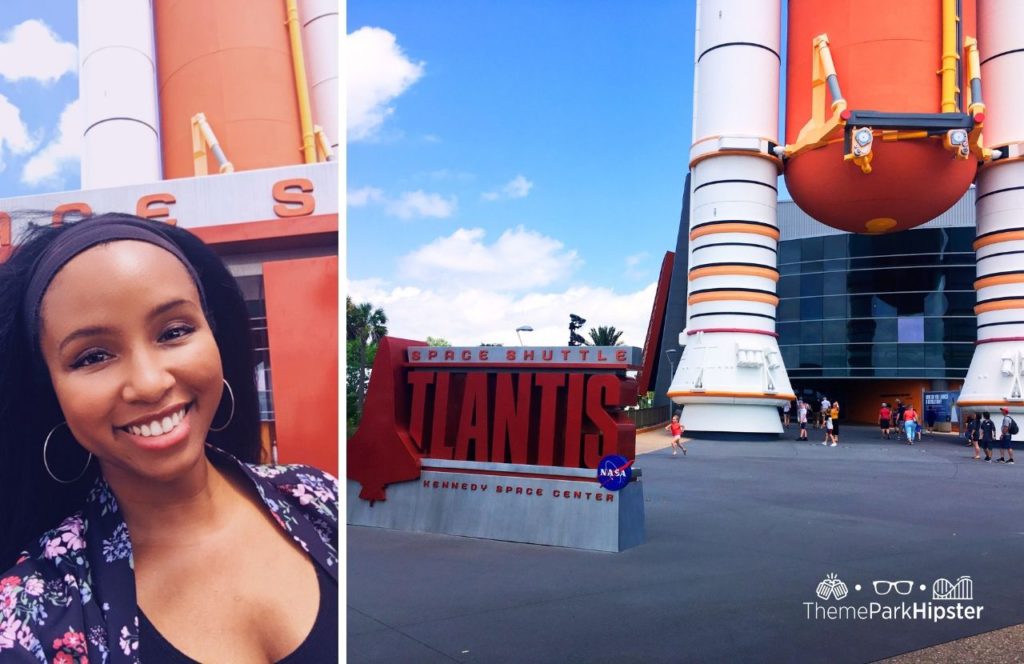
(235, 67)
(887, 59)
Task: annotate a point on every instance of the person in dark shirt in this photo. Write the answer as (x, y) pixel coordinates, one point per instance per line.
(971, 431)
(898, 419)
(987, 435)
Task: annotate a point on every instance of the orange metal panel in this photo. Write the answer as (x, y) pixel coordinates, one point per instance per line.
(302, 324)
(231, 60)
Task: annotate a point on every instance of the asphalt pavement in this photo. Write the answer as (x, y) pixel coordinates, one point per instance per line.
(741, 537)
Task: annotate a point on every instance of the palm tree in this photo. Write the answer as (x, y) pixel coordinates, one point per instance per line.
(605, 336)
(364, 328)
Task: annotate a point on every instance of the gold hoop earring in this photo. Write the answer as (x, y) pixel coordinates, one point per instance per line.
(46, 463)
(232, 414)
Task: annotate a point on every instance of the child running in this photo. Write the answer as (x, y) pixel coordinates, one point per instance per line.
(677, 435)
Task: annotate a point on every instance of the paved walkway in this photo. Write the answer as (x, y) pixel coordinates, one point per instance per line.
(739, 537)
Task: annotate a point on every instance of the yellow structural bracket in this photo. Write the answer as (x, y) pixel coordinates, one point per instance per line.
(323, 145)
(950, 57)
(975, 104)
(203, 137)
(819, 129)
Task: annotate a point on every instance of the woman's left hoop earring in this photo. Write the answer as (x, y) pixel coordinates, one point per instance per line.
(232, 395)
(46, 463)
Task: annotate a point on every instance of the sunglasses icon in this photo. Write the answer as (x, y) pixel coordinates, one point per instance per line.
(901, 587)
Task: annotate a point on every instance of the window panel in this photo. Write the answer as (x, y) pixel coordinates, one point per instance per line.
(810, 332)
(910, 329)
(810, 357)
(835, 306)
(910, 355)
(810, 308)
(812, 249)
(789, 287)
(835, 283)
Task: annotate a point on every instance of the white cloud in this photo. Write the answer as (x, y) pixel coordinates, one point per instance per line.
(61, 153)
(517, 260)
(32, 50)
(413, 204)
(14, 134)
(378, 72)
(467, 291)
(637, 265)
(447, 174)
(364, 196)
(518, 187)
(408, 205)
(479, 315)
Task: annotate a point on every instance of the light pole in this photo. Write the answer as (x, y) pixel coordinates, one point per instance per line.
(522, 328)
(670, 355)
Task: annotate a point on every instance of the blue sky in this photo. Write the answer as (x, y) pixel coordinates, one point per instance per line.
(511, 163)
(39, 119)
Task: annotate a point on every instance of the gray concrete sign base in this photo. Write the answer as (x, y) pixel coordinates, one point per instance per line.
(515, 503)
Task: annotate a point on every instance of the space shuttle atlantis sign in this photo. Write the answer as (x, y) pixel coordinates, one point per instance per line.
(499, 443)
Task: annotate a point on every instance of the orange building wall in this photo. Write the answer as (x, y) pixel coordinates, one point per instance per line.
(235, 66)
(302, 324)
(869, 395)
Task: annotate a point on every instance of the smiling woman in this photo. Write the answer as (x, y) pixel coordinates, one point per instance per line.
(128, 401)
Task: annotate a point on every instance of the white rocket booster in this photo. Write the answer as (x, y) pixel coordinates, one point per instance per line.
(731, 377)
(995, 377)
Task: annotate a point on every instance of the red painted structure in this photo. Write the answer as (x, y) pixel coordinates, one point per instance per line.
(652, 344)
(302, 313)
(510, 406)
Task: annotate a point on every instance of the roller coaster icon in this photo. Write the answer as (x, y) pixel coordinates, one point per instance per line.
(944, 589)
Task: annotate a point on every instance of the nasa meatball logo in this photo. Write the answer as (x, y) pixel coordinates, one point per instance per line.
(614, 472)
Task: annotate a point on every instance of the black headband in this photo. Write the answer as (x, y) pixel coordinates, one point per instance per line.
(85, 235)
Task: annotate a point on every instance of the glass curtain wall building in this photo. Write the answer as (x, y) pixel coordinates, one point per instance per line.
(871, 318)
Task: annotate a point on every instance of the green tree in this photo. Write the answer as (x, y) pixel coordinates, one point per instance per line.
(365, 326)
(605, 336)
(438, 341)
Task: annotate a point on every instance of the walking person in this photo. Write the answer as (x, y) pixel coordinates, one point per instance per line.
(988, 435)
(676, 429)
(929, 418)
(829, 436)
(785, 414)
(1006, 436)
(884, 420)
(971, 431)
(910, 422)
(826, 406)
(898, 419)
(801, 418)
(834, 414)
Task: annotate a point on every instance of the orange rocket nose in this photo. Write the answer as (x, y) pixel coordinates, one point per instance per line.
(888, 58)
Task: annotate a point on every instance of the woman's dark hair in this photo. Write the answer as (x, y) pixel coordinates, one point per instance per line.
(31, 502)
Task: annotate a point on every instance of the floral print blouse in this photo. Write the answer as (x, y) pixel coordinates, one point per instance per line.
(71, 600)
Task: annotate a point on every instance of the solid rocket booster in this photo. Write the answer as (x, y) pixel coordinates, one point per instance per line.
(995, 377)
(731, 376)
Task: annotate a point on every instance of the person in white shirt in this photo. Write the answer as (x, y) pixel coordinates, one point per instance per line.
(801, 418)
